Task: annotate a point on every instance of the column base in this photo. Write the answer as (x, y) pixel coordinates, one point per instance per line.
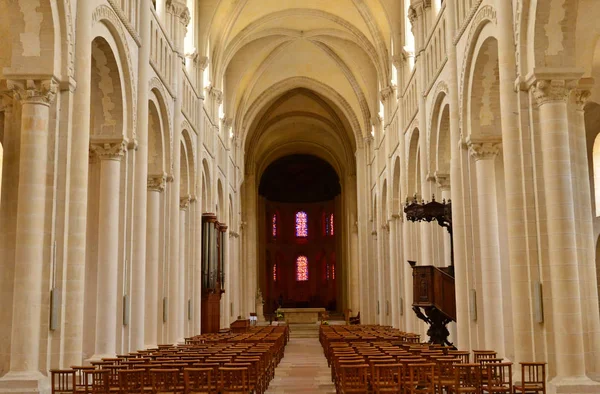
(573, 385)
(31, 382)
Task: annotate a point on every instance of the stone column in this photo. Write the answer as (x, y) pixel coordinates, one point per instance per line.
(179, 15)
(72, 348)
(393, 261)
(197, 265)
(36, 97)
(184, 205)
(588, 270)
(484, 151)
(551, 92)
(156, 185)
(138, 266)
(110, 154)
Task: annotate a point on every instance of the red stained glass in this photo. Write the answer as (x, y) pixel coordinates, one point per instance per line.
(333, 272)
(331, 224)
(301, 224)
(274, 226)
(302, 269)
(274, 272)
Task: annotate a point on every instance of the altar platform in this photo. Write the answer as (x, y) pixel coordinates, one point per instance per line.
(301, 315)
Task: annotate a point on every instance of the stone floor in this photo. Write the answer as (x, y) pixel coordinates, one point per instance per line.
(303, 369)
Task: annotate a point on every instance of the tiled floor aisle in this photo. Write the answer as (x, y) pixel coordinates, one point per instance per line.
(303, 369)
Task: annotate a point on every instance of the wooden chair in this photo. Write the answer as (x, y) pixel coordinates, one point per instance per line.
(97, 381)
(444, 376)
(498, 378)
(421, 379)
(385, 378)
(113, 376)
(353, 378)
(200, 381)
(533, 376)
(164, 380)
(81, 385)
(355, 320)
(63, 381)
(131, 381)
(466, 379)
(233, 380)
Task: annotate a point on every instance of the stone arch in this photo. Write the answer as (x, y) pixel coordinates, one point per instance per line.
(158, 94)
(396, 188)
(185, 189)
(206, 187)
(554, 29)
(156, 147)
(414, 175)
(440, 100)
(220, 200)
(284, 86)
(191, 152)
(107, 112)
(483, 92)
(28, 51)
(385, 215)
(106, 24)
(483, 25)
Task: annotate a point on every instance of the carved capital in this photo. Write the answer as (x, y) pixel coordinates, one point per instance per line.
(581, 98)
(484, 148)
(412, 14)
(216, 94)
(109, 149)
(552, 90)
(184, 203)
(32, 91)
(442, 180)
(386, 92)
(157, 183)
(180, 10)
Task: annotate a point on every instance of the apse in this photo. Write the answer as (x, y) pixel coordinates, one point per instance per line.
(300, 195)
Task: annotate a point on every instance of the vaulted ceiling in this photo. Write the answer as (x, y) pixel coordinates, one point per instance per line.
(259, 50)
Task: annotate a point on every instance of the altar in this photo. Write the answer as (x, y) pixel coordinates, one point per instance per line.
(301, 315)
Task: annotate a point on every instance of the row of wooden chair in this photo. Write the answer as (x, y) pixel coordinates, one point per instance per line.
(361, 362)
(243, 363)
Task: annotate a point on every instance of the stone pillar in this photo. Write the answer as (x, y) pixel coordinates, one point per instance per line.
(184, 205)
(180, 17)
(138, 266)
(156, 185)
(110, 154)
(251, 243)
(588, 270)
(36, 97)
(78, 191)
(393, 261)
(551, 92)
(197, 264)
(484, 151)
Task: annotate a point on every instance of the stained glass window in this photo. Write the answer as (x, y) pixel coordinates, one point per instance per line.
(275, 272)
(301, 224)
(327, 271)
(274, 225)
(333, 271)
(330, 221)
(302, 268)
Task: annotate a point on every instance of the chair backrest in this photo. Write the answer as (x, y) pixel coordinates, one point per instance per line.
(421, 378)
(466, 375)
(200, 380)
(534, 375)
(63, 381)
(479, 354)
(97, 381)
(353, 377)
(233, 380)
(386, 375)
(131, 381)
(164, 380)
(499, 375)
